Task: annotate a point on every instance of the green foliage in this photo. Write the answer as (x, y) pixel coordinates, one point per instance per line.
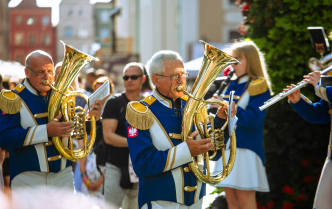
(295, 150)
(279, 28)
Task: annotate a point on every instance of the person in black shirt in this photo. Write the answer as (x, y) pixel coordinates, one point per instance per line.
(118, 190)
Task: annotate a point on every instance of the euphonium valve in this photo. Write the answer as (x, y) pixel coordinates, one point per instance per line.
(213, 64)
(63, 101)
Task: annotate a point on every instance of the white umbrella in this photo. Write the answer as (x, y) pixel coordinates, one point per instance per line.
(10, 69)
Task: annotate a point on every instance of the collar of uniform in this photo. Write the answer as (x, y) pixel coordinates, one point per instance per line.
(27, 84)
(243, 78)
(166, 101)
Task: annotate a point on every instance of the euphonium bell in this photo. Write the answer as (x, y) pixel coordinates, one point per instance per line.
(214, 62)
(63, 101)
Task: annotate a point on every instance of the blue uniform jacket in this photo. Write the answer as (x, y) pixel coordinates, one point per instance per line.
(24, 134)
(160, 158)
(318, 112)
(250, 124)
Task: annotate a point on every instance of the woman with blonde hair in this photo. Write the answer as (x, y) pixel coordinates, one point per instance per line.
(252, 88)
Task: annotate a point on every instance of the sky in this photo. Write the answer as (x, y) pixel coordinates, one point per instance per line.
(53, 3)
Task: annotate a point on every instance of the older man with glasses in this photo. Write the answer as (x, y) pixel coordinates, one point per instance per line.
(160, 158)
(119, 191)
(35, 164)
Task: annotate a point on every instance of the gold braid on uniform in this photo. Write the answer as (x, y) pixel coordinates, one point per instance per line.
(10, 102)
(257, 86)
(139, 115)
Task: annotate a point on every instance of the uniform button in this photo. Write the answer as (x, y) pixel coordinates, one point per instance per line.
(186, 189)
(49, 158)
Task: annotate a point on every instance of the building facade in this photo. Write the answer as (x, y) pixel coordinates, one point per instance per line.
(76, 26)
(4, 30)
(177, 25)
(30, 30)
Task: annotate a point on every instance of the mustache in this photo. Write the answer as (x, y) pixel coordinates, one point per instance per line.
(46, 82)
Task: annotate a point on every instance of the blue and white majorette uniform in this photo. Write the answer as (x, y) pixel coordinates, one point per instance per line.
(159, 157)
(34, 160)
(249, 168)
(320, 113)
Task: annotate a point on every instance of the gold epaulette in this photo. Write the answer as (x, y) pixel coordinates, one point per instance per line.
(257, 86)
(139, 115)
(10, 102)
(185, 97)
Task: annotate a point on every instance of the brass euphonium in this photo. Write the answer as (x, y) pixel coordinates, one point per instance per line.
(214, 62)
(63, 101)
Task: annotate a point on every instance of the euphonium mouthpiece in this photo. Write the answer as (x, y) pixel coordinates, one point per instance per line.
(46, 82)
(179, 88)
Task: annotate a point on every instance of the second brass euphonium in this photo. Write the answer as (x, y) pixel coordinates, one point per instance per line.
(214, 62)
(63, 101)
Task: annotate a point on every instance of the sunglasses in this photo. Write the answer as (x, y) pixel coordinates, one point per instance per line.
(132, 77)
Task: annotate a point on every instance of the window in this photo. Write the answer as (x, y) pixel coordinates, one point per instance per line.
(104, 35)
(19, 20)
(19, 58)
(31, 21)
(104, 16)
(45, 20)
(32, 39)
(83, 32)
(19, 39)
(234, 35)
(46, 39)
(70, 12)
(68, 31)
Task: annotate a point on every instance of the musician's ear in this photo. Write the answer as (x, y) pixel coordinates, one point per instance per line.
(155, 80)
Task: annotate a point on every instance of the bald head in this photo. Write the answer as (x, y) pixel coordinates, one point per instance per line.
(38, 54)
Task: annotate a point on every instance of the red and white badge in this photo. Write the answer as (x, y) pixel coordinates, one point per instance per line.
(132, 132)
(3, 113)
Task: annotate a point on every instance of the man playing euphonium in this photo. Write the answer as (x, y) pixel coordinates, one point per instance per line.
(160, 158)
(35, 163)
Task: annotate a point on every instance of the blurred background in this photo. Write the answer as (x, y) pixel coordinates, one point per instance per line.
(117, 31)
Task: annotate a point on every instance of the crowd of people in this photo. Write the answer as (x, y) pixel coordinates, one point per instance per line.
(138, 159)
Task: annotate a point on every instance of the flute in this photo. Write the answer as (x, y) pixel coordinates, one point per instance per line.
(284, 94)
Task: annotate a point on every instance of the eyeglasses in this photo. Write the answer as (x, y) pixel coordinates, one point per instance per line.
(41, 75)
(132, 77)
(176, 76)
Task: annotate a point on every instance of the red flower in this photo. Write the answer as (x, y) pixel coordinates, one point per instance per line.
(308, 179)
(287, 205)
(261, 207)
(287, 189)
(245, 8)
(305, 163)
(226, 71)
(270, 205)
(301, 197)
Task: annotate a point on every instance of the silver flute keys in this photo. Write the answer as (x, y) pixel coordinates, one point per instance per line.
(282, 95)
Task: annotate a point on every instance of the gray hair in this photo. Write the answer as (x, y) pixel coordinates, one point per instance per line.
(156, 64)
(36, 53)
(135, 64)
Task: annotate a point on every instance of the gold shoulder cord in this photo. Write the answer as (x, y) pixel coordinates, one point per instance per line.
(139, 115)
(10, 102)
(257, 86)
